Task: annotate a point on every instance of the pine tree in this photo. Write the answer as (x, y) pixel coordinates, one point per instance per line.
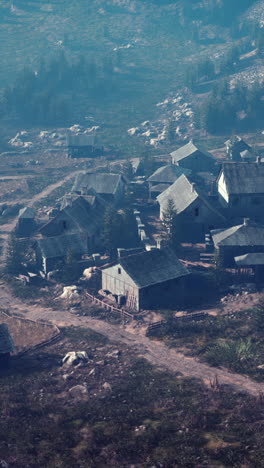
(130, 229)
(112, 231)
(14, 257)
(170, 222)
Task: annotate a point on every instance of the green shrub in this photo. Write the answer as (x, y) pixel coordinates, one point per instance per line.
(236, 355)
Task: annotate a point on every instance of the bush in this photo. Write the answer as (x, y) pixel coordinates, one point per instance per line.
(237, 355)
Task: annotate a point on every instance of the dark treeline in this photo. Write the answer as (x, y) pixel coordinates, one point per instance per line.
(50, 94)
(241, 108)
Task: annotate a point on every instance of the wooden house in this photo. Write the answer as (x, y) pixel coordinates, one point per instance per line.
(111, 187)
(238, 240)
(6, 345)
(147, 280)
(52, 251)
(79, 217)
(196, 213)
(163, 177)
(241, 189)
(191, 157)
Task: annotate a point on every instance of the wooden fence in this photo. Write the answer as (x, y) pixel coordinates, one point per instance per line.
(184, 318)
(123, 313)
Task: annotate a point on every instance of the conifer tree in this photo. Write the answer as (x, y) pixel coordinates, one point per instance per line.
(14, 257)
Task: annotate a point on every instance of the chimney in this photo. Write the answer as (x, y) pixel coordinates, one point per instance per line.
(258, 160)
(193, 186)
(246, 221)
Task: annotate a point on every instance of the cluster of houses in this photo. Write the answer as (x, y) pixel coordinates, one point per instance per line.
(221, 200)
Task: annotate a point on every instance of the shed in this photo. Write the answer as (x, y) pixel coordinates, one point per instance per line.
(26, 223)
(148, 279)
(82, 146)
(235, 146)
(193, 158)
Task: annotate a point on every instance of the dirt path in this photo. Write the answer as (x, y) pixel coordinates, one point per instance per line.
(156, 353)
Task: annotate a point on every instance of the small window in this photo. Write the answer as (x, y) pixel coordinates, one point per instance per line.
(119, 271)
(64, 224)
(196, 212)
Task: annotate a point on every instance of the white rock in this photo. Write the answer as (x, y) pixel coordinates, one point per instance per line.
(74, 357)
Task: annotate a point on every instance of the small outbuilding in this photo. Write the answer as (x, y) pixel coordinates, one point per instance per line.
(6, 345)
(26, 223)
(237, 149)
(147, 280)
(83, 146)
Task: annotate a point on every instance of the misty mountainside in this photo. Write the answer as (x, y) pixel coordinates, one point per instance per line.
(112, 61)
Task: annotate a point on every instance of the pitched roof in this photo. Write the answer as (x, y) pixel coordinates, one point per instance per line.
(153, 267)
(183, 193)
(6, 342)
(236, 142)
(83, 216)
(59, 246)
(168, 174)
(80, 140)
(159, 188)
(243, 177)
(100, 182)
(242, 235)
(250, 259)
(26, 213)
(187, 150)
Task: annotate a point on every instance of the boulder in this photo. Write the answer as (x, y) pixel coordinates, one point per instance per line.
(75, 357)
(78, 391)
(107, 386)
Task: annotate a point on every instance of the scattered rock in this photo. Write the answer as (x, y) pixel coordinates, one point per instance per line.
(114, 354)
(78, 391)
(107, 386)
(75, 357)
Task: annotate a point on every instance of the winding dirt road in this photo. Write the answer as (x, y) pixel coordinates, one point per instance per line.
(156, 353)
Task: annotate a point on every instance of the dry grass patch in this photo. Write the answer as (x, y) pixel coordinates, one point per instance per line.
(26, 333)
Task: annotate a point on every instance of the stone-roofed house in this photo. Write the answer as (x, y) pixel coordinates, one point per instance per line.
(6, 345)
(78, 217)
(191, 157)
(26, 222)
(241, 189)
(145, 280)
(238, 150)
(238, 240)
(110, 186)
(196, 213)
(163, 177)
(51, 251)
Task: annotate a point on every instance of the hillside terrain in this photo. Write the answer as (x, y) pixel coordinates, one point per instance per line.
(113, 63)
